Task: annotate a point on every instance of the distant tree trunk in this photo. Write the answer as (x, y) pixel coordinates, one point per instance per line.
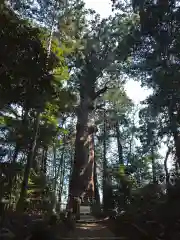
(44, 160)
(16, 152)
(175, 132)
(177, 146)
(96, 188)
(105, 190)
(36, 162)
(23, 193)
(132, 137)
(20, 137)
(55, 175)
(71, 160)
(61, 184)
(166, 168)
(153, 165)
(61, 172)
(120, 150)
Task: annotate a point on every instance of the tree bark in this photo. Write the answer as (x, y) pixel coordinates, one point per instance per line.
(82, 168)
(90, 189)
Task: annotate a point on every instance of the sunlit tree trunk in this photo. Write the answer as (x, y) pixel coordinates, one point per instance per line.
(96, 187)
(167, 175)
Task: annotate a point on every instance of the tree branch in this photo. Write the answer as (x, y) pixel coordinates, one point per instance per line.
(101, 91)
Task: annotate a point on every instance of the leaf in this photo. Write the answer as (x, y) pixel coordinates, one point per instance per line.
(122, 170)
(64, 131)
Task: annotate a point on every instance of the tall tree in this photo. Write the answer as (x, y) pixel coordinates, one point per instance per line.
(105, 47)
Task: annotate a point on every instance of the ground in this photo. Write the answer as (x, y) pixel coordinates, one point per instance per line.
(91, 231)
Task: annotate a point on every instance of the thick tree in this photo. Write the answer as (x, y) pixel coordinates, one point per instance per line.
(106, 46)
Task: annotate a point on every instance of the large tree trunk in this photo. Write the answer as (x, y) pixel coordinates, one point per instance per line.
(82, 168)
(82, 175)
(90, 190)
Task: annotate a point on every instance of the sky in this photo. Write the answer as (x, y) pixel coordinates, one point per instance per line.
(133, 89)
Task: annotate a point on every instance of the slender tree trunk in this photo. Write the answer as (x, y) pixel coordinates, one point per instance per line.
(16, 152)
(166, 168)
(70, 175)
(54, 167)
(54, 179)
(23, 193)
(175, 132)
(36, 164)
(177, 146)
(60, 172)
(132, 138)
(44, 160)
(61, 185)
(120, 150)
(105, 199)
(96, 188)
(153, 165)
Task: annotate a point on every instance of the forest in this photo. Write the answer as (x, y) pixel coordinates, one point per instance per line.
(69, 133)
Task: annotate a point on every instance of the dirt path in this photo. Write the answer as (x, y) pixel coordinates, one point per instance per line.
(92, 231)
